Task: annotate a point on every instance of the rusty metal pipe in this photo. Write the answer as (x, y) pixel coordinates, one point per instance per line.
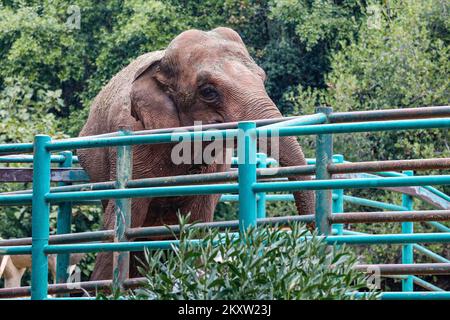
(77, 287)
(407, 269)
(390, 165)
(102, 235)
(391, 216)
(390, 114)
(369, 166)
(384, 269)
(132, 233)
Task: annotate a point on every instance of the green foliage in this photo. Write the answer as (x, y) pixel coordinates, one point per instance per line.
(399, 58)
(24, 102)
(25, 110)
(269, 264)
(401, 63)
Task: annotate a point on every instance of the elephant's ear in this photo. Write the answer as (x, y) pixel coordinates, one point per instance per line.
(150, 103)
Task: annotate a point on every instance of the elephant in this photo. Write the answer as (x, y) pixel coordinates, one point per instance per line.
(206, 76)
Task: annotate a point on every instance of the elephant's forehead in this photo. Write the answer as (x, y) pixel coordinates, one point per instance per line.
(211, 49)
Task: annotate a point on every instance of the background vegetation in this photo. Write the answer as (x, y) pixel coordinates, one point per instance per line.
(349, 54)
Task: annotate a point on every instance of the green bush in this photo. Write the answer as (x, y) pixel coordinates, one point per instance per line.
(269, 264)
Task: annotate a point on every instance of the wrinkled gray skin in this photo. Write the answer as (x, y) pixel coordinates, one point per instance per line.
(202, 76)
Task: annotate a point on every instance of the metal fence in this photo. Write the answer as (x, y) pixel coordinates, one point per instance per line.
(252, 191)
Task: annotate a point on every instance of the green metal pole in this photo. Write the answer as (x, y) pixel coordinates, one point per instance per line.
(324, 153)
(261, 202)
(338, 198)
(40, 218)
(63, 224)
(407, 249)
(122, 210)
(247, 174)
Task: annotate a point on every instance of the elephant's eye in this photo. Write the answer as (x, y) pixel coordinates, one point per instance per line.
(209, 94)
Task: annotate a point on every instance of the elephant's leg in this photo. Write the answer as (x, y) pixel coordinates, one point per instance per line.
(104, 260)
(103, 268)
(201, 208)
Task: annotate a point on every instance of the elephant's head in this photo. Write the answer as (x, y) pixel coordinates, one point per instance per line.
(209, 77)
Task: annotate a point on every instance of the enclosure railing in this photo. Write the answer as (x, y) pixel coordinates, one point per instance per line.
(251, 192)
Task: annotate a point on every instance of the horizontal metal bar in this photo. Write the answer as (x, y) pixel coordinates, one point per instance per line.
(25, 158)
(426, 193)
(301, 120)
(374, 115)
(356, 127)
(393, 114)
(375, 166)
(280, 197)
(79, 175)
(232, 133)
(9, 148)
(88, 236)
(270, 186)
(229, 198)
(90, 286)
(407, 269)
(107, 235)
(57, 175)
(429, 188)
(167, 244)
(115, 246)
(95, 142)
(351, 183)
(15, 199)
(74, 287)
(16, 250)
(390, 114)
(214, 126)
(418, 247)
(390, 238)
(232, 225)
(408, 295)
(142, 192)
(391, 216)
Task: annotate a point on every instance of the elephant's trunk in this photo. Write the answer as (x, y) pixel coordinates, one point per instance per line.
(289, 152)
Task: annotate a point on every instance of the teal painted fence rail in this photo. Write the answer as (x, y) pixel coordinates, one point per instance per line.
(249, 192)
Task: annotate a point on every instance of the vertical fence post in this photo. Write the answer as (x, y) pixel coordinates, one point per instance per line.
(324, 153)
(247, 174)
(123, 213)
(63, 224)
(261, 202)
(407, 249)
(338, 198)
(40, 218)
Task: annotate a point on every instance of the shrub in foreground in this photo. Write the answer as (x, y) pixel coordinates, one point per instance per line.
(269, 264)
